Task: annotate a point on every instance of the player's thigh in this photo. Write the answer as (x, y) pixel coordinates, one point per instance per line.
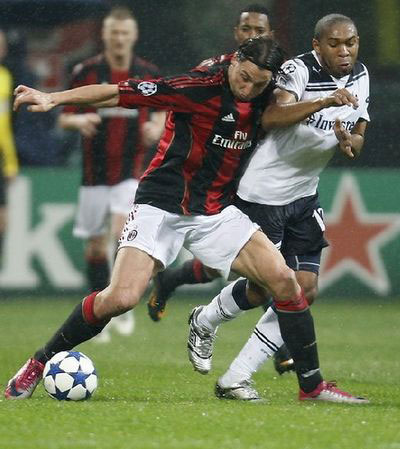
(132, 271)
(92, 211)
(153, 231)
(271, 219)
(217, 239)
(261, 262)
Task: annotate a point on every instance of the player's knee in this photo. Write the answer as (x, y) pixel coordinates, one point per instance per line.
(116, 301)
(286, 286)
(126, 300)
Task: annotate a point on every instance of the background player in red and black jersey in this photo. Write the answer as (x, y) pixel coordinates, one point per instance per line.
(114, 141)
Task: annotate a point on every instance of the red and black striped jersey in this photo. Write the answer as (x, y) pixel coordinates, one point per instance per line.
(116, 151)
(207, 139)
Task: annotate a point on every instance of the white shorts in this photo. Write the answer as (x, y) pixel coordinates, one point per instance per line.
(95, 203)
(215, 239)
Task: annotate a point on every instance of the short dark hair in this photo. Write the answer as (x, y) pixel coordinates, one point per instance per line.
(327, 21)
(263, 51)
(120, 13)
(254, 7)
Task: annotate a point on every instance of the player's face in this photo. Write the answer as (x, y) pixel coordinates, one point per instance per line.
(247, 80)
(251, 24)
(119, 36)
(338, 49)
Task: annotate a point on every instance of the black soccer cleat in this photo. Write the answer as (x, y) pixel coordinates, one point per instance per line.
(158, 298)
(283, 361)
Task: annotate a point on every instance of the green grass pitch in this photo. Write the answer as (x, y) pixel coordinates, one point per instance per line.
(149, 396)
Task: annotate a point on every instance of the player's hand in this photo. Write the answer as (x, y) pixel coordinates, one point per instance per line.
(88, 124)
(344, 138)
(38, 101)
(151, 133)
(340, 97)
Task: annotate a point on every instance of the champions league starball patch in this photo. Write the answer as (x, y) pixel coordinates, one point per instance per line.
(147, 88)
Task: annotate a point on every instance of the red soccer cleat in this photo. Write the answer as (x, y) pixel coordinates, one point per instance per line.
(23, 384)
(327, 391)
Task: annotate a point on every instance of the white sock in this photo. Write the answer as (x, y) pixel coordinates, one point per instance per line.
(265, 340)
(222, 308)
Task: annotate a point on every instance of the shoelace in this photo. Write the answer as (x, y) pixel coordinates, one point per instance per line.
(331, 386)
(248, 384)
(206, 342)
(30, 374)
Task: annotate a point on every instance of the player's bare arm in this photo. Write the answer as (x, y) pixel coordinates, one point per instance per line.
(285, 110)
(350, 143)
(97, 95)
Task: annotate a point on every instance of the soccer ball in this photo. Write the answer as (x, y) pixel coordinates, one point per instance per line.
(70, 376)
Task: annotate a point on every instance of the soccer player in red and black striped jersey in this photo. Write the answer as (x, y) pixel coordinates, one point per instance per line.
(114, 141)
(253, 21)
(184, 200)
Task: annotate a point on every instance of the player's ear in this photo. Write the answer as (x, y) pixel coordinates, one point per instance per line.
(235, 34)
(316, 46)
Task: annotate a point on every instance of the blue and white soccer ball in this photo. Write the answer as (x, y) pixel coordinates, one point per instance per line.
(70, 376)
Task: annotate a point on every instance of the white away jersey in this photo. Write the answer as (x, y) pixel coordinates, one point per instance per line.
(287, 162)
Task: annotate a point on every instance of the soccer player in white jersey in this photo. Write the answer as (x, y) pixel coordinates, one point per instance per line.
(279, 192)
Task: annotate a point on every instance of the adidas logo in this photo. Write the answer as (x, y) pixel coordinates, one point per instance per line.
(228, 118)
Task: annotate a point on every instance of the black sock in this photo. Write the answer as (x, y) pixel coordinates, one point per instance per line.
(74, 331)
(239, 295)
(297, 329)
(98, 274)
(191, 272)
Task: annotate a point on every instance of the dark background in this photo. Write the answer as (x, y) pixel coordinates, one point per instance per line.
(177, 34)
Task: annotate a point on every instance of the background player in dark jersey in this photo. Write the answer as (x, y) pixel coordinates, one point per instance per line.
(8, 154)
(113, 143)
(252, 21)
